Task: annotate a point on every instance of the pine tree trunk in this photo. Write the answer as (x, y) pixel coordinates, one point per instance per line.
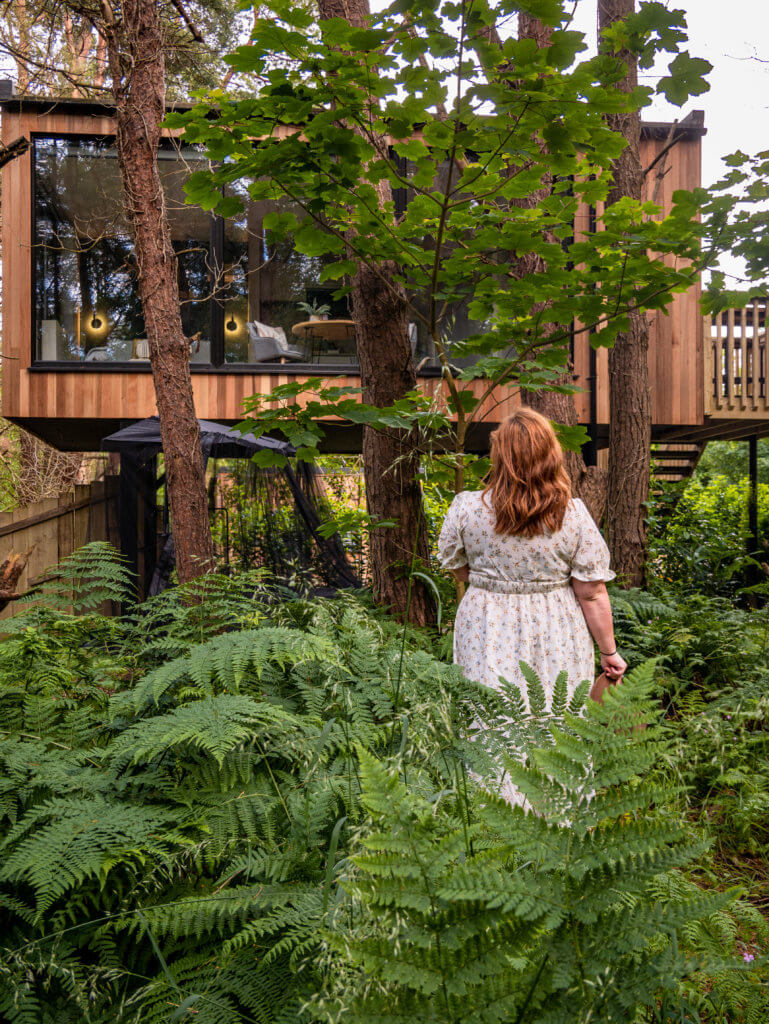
(587, 482)
(629, 396)
(390, 458)
(137, 68)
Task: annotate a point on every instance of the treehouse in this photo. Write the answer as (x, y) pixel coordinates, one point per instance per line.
(75, 357)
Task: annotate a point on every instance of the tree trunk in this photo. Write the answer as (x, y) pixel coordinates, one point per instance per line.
(390, 458)
(587, 482)
(10, 571)
(138, 78)
(629, 395)
(23, 48)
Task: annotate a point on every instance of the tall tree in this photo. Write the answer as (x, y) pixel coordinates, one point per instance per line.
(136, 61)
(587, 482)
(390, 456)
(72, 48)
(629, 394)
(467, 150)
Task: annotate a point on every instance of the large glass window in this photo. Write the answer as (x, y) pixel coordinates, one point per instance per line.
(87, 303)
(246, 296)
(241, 291)
(267, 288)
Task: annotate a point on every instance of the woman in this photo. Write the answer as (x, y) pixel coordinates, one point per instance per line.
(536, 564)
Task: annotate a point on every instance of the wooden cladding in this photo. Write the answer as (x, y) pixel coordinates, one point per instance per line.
(676, 363)
(675, 336)
(735, 368)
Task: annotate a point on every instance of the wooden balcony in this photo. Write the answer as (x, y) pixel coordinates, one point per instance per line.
(735, 364)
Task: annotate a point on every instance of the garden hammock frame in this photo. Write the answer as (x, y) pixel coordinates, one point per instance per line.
(291, 542)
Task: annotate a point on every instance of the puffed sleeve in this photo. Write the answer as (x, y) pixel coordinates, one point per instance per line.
(591, 560)
(451, 548)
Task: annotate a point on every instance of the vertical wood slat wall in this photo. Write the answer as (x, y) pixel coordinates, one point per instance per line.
(676, 357)
(675, 350)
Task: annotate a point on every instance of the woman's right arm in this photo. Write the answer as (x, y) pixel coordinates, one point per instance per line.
(596, 607)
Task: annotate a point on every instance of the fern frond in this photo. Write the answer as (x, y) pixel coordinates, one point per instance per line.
(85, 580)
(215, 725)
(74, 839)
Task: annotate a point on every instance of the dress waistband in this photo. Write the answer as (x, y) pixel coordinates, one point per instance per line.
(498, 586)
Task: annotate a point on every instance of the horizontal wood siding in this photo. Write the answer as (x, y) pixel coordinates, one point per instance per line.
(675, 353)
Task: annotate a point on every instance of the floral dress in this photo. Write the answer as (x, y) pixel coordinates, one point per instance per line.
(519, 605)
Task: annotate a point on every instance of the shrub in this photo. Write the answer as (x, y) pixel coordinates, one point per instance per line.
(699, 537)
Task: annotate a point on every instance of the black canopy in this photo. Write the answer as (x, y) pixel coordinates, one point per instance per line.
(283, 507)
(142, 440)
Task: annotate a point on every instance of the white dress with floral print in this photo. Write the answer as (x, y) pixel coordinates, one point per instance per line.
(541, 624)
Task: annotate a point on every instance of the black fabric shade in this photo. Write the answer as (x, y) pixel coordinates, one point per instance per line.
(141, 440)
(288, 503)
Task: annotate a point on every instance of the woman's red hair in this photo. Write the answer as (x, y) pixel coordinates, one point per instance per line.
(528, 484)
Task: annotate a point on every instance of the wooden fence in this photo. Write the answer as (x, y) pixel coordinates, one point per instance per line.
(48, 531)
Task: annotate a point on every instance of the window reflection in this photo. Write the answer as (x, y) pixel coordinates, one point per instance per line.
(87, 303)
(265, 284)
(243, 292)
(454, 323)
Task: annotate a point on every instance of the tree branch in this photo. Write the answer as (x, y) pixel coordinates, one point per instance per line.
(16, 148)
(191, 26)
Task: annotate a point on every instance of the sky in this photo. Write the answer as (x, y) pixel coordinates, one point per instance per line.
(734, 36)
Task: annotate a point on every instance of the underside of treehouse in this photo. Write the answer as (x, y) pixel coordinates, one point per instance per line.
(75, 354)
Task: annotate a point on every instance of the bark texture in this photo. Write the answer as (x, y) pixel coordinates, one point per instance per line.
(587, 482)
(390, 457)
(137, 68)
(629, 395)
(10, 571)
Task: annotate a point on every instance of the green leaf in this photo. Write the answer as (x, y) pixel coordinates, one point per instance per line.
(268, 459)
(686, 78)
(573, 438)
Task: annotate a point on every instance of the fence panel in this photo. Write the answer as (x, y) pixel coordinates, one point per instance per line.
(49, 530)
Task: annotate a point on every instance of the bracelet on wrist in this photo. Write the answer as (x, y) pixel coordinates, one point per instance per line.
(607, 654)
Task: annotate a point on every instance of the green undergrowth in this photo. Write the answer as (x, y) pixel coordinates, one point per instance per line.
(222, 809)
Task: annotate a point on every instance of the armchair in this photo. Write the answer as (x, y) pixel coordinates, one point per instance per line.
(268, 344)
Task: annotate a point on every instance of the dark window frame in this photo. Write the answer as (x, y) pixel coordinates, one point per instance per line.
(217, 226)
(75, 365)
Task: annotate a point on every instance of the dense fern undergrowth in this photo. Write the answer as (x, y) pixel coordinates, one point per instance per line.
(223, 809)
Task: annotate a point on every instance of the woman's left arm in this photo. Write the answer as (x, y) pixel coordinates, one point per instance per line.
(596, 607)
(461, 575)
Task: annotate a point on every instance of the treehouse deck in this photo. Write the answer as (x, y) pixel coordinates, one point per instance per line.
(74, 360)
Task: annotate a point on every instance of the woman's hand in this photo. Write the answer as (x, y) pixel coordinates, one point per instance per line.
(461, 575)
(613, 665)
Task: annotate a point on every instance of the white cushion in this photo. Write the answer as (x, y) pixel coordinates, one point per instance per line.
(259, 330)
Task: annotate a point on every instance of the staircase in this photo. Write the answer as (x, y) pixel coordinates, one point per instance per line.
(677, 460)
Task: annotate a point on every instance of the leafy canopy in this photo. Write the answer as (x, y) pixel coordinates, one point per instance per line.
(492, 148)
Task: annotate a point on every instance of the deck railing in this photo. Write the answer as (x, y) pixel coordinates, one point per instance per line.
(735, 362)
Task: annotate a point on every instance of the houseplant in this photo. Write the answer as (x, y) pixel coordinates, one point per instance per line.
(314, 311)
